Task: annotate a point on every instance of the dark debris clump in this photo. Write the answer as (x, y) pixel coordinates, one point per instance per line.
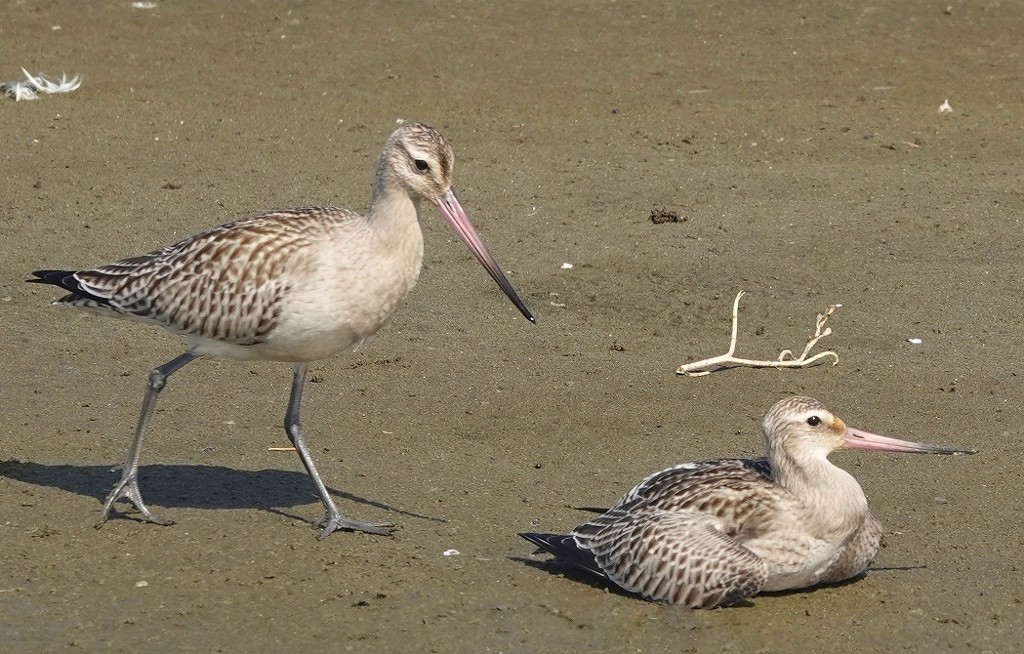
(662, 216)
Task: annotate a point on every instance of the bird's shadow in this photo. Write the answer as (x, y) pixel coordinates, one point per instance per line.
(192, 486)
(573, 572)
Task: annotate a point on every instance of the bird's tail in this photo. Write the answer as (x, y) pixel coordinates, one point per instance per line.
(566, 548)
(77, 294)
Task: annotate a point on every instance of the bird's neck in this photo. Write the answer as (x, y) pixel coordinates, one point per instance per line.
(829, 493)
(392, 202)
(394, 220)
(384, 181)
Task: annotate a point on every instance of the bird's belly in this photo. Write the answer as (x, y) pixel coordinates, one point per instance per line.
(315, 324)
(308, 342)
(807, 574)
(795, 561)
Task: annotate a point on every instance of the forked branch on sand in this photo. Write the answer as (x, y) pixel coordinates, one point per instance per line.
(785, 360)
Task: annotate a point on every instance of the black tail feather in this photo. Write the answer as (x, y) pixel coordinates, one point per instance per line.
(564, 547)
(65, 279)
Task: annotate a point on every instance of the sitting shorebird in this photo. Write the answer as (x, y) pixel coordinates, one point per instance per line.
(296, 285)
(710, 534)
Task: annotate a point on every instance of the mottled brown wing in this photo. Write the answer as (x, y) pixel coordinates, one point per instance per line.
(675, 557)
(736, 491)
(685, 476)
(226, 283)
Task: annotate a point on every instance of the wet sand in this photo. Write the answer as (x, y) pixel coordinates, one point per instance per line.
(800, 144)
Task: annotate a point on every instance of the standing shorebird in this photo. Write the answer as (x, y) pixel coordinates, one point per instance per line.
(714, 533)
(296, 285)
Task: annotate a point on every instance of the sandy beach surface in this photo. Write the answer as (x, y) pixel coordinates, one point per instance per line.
(802, 148)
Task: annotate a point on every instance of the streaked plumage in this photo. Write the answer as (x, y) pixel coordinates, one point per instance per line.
(267, 287)
(713, 533)
(296, 285)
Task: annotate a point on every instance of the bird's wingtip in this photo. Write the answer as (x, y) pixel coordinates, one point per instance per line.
(534, 538)
(55, 277)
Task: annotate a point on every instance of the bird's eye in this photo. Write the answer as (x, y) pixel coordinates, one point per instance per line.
(422, 165)
(814, 421)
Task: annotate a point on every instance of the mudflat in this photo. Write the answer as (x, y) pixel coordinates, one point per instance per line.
(799, 145)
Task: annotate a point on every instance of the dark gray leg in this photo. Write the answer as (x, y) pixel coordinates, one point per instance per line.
(128, 487)
(296, 434)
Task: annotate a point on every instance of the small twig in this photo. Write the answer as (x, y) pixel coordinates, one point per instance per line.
(785, 360)
(280, 449)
